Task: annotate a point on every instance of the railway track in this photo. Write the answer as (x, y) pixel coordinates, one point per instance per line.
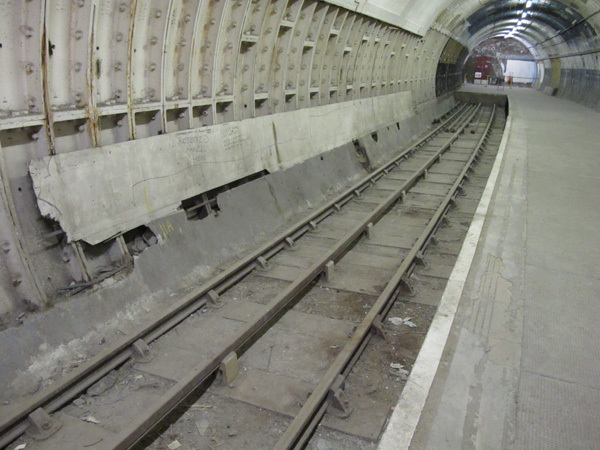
(367, 241)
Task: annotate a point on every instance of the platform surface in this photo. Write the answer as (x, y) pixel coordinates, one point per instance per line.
(521, 366)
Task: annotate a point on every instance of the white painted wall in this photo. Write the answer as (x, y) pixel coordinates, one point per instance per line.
(521, 71)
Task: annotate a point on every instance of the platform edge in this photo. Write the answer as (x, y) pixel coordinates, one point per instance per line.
(402, 425)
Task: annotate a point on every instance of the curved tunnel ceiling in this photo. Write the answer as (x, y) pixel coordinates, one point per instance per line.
(530, 34)
(546, 26)
(555, 14)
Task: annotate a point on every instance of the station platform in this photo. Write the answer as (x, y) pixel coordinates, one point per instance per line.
(512, 359)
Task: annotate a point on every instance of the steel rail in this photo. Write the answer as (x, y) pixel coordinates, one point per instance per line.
(456, 122)
(155, 412)
(304, 424)
(458, 118)
(73, 384)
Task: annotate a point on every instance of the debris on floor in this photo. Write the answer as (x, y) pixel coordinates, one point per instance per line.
(400, 321)
(174, 445)
(202, 426)
(399, 371)
(90, 419)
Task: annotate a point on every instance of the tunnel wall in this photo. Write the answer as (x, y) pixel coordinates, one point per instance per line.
(580, 80)
(448, 76)
(81, 76)
(572, 70)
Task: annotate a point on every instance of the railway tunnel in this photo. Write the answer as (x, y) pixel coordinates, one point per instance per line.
(299, 223)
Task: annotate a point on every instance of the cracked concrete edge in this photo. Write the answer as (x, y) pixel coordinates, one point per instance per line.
(402, 425)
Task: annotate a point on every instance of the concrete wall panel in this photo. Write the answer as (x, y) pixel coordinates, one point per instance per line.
(97, 195)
